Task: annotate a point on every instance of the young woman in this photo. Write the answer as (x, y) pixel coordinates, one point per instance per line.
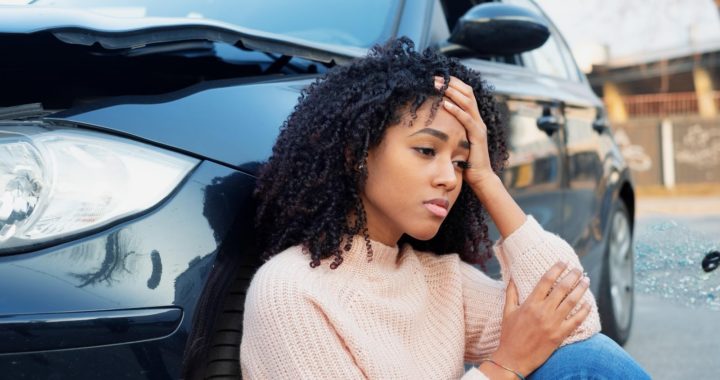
(372, 208)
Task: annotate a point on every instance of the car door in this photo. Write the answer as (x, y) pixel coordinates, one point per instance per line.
(581, 209)
(584, 172)
(534, 174)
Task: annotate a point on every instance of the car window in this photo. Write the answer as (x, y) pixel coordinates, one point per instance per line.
(535, 164)
(439, 30)
(326, 21)
(553, 58)
(573, 69)
(547, 60)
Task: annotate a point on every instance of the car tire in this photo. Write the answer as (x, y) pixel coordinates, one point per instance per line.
(616, 294)
(223, 360)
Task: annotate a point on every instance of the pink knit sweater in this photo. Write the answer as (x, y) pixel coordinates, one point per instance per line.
(404, 315)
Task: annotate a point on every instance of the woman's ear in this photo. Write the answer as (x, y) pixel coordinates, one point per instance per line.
(353, 160)
(356, 160)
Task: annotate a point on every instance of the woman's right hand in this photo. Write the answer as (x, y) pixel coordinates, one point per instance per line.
(531, 331)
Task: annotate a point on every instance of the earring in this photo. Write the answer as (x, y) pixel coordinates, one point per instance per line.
(361, 166)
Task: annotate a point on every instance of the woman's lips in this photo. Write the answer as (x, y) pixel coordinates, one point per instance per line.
(436, 209)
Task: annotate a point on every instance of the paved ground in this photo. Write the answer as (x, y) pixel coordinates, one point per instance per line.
(676, 328)
(679, 206)
(673, 342)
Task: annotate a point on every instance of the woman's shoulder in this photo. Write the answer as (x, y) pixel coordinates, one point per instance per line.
(288, 272)
(284, 266)
(278, 283)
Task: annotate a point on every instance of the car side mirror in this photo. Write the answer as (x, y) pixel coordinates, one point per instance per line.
(500, 29)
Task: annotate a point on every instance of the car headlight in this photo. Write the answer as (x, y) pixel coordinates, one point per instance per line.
(57, 183)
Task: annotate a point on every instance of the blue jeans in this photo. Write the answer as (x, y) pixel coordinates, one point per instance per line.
(598, 357)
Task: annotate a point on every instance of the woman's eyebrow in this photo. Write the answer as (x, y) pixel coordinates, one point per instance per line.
(442, 136)
(433, 132)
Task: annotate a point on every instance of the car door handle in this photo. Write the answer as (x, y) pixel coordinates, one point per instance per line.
(601, 125)
(548, 123)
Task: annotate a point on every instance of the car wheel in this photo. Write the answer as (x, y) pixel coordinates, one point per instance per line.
(223, 360)
(616, 298)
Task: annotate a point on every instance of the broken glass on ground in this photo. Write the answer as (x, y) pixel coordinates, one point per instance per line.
(668, 263)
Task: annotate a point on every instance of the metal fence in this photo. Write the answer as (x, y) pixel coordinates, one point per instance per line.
(678, 103)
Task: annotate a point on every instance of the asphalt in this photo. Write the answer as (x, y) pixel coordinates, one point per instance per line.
(676, 325)
(672, 341)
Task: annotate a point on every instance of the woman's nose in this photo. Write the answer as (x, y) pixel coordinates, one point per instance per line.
(446, 176)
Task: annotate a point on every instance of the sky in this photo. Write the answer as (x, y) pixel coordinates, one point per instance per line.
(632, 27)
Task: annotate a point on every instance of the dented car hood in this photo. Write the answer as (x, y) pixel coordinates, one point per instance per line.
(198, 120)
(82, 27)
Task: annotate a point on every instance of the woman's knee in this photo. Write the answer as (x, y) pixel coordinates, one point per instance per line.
(598, 357)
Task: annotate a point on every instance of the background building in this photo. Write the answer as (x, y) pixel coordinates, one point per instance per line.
(657, 67)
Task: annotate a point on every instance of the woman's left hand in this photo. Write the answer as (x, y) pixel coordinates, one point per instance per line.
(488, 187)
(460, 102)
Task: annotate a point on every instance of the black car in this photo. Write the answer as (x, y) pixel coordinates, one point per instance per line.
(130, 135)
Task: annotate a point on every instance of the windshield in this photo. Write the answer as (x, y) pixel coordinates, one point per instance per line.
(359, 23)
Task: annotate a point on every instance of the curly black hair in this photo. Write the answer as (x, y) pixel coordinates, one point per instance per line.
(314, 178)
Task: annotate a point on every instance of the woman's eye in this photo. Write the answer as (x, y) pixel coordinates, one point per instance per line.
(426, 151)
(462, 164)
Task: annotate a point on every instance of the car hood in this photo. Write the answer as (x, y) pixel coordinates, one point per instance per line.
(233, 122)
(83, 27)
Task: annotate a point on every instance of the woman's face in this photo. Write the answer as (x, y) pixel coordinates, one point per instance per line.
(414, 176)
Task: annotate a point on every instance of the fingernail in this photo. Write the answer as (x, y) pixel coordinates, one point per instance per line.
(586, 280)
(438, 85)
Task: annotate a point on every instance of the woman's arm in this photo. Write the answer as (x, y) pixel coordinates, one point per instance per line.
(506, 319)
(544, 301)
(502, 208)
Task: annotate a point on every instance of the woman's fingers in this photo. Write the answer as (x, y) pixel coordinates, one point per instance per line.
(461, 86)
(571, 324)
(563, 288)
(475, 127)
(464, 102)
(465, 118)
(459, 97)
(462, 95)
(547, 281)
(574, 297)
(459, 101)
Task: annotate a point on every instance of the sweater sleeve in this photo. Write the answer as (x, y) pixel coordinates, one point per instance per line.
(287, 336)
(524, 256)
